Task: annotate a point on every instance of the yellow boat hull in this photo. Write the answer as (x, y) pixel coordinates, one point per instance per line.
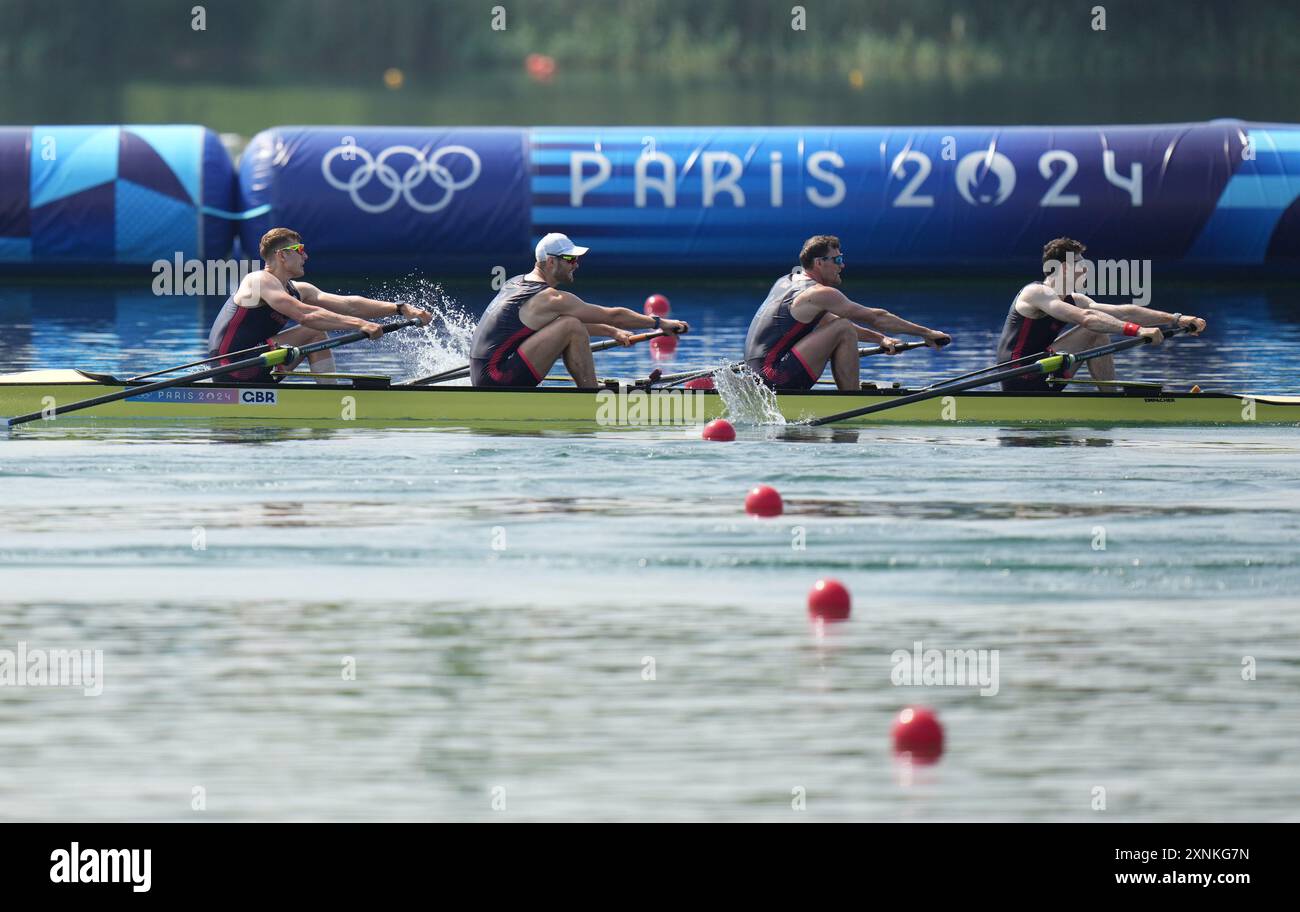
(295, 403)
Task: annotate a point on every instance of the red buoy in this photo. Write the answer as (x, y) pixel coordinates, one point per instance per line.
(763, 501)
(917, 732)
(719, 429)
(829, 600)
(663, 347)
(657, 306)
(699, 383)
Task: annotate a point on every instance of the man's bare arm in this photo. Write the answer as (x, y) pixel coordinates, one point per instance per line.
(1143, 316)
(833, 301)
(1091, 318)
(562, 302)
(304, 312)
(357, 306)
(351, 305)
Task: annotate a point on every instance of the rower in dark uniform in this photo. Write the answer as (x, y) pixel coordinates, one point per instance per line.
(269, 298)
(495, 359)
(806, 321)
(1041, 311)
(237, 328)
(769, 345)
(531, 323)
(1022, 336)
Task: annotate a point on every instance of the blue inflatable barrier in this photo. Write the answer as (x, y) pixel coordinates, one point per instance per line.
(391, 198)
(1221, 194)
(1206, 196)
(97, 196)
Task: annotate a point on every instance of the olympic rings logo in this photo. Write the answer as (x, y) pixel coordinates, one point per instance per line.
(400, 185)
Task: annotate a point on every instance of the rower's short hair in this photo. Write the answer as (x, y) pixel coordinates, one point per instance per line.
(1056, 249)
(817, 246)
(276, 238)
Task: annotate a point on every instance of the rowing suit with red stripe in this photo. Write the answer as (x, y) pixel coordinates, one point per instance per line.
(495, 359)
(769, 346)
(237, 328)
(1022, 336)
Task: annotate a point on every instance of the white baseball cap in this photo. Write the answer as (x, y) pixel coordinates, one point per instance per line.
(556, 244)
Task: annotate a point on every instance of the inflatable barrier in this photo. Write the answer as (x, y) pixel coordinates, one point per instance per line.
(98, 196)
(391, 198)
(1203, 196)
(1220, 194)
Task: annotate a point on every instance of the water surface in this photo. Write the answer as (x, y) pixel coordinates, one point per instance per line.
(503, 597)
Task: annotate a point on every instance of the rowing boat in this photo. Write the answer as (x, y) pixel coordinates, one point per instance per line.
(373, 400)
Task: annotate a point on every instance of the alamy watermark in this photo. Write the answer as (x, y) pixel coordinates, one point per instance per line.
(1125, 278)
(639, 407)
(25, 667)
(75, 865)
(179, 276)
(950, 668)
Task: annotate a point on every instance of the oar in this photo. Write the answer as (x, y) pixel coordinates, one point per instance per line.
(1023, 359)
(674, 379)
(463, 371)
(255, 350)
(1049, 365)
(269, 359)
(1014, 362)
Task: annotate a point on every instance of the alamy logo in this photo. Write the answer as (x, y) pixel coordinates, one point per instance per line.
(950, 667)
(662, 407)
(400, 184)
(78, 865)
(34, 667)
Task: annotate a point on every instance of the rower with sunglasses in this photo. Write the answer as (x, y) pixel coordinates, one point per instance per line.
(531, 323)
(807, 321)
(269, 298)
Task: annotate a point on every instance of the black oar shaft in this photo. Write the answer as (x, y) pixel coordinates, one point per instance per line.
(673, 379)
(1052, 364)
(1014, 362)
(255, 350)
(270, 359)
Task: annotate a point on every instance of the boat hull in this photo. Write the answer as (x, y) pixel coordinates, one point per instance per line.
(458, 405)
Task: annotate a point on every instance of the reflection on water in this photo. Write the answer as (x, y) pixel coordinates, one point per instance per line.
(220, 431)
(829, 433)
(1017, 438)
(252, 430)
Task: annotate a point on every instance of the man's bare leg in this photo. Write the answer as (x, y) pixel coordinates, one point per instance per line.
(834, 340)
(321, 362)
(565, 336)
(1080, 339)
(580, 365)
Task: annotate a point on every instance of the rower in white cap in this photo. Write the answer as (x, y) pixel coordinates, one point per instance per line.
(531, 323)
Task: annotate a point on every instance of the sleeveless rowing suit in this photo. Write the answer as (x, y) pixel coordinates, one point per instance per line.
(237, 328)
(1022, 336)
(769, 345)
(495, 359)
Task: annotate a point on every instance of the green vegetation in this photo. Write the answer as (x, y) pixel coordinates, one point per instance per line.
(296, 41)
(647, 62)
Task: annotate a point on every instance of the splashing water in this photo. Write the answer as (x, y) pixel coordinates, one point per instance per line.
(443, 344)
(746, 399)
